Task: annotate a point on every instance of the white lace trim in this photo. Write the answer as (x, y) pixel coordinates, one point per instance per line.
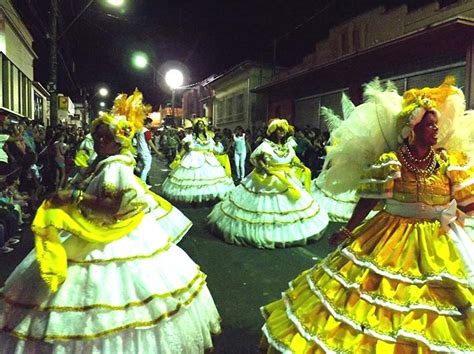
(459, 168)
(400, 277)
(459, 186)
(389, 178)
(274, 343)
(383, 303)
(383, 164)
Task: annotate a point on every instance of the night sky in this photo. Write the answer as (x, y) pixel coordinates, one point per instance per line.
(207, 36)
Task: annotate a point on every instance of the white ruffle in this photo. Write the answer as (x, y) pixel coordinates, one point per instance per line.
(140, 280)
(186, 332)
(173, 222)
(339, 207)
(266, 219)
(469, 227)
(199, 178)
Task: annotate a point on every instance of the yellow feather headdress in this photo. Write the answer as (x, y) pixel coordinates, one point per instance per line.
(125, 118)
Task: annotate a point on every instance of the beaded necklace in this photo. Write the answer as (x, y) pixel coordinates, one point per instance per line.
(428, 156)
(408, 160)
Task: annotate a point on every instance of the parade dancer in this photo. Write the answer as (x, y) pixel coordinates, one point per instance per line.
(403, 281)
(105, 277)
(270, 208)
(197, 175)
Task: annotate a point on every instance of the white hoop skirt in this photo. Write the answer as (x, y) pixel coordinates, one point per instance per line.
(199, 178)
(263, 216)
(139, 294)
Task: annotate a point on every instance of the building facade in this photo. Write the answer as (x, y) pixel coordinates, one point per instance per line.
(233, 102)
(412, 48)
(16, 64)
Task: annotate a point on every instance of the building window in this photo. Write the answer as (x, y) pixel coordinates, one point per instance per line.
(356, 39)
(5, 82)
(344, 43)
(239, 104)
(38, 109)
(229, 108)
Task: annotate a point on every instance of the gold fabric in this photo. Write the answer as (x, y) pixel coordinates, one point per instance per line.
(400, 287)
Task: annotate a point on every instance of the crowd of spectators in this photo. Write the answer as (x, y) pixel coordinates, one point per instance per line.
(310, 149)
(34, 161)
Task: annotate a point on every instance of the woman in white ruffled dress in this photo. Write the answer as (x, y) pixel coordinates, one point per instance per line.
(105, 277)
(339, 206)
(197, 175)
(270, 208)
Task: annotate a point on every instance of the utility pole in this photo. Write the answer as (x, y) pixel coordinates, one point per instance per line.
(53, 65)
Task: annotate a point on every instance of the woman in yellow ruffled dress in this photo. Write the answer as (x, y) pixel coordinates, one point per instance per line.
(271, 207)
(403, 281)
(105, 276)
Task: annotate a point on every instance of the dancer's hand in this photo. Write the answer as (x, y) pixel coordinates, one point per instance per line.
(60, 198)
(337, 238)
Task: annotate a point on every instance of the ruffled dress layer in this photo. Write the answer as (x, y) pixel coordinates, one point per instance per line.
(404, 285)
(270, 210)
(338, 206)
(199, 176)
(137, 294)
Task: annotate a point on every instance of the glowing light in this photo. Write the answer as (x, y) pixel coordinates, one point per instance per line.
(174, 78)
(116, 3)
(140, 60)
(102, 104)
(101, 113)
(103, 91)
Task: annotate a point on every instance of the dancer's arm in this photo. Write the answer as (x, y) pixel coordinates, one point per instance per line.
(362, 209)
(109, 205)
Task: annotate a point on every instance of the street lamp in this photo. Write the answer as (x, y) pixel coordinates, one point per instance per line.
(116, 3)
(174, 79)
(103, 91)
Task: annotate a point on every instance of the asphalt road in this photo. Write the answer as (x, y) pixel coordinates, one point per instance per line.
(240, 279)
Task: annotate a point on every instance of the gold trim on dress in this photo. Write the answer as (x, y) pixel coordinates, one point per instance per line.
(199, 276)
(123, 259)
(153, 322)
(272, 212)
(269, 222)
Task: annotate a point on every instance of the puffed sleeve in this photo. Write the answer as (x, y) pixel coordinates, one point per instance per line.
(378, 179)
(460, 171)
(263, 149)
(118, 182)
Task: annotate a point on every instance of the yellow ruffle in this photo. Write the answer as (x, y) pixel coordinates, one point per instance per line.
(310, 318)
(461, 174)
(372, 297)
(378, 179)
(225, 162)
(303, 173)
(280, 172)
(81, 159)
(50, 253)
